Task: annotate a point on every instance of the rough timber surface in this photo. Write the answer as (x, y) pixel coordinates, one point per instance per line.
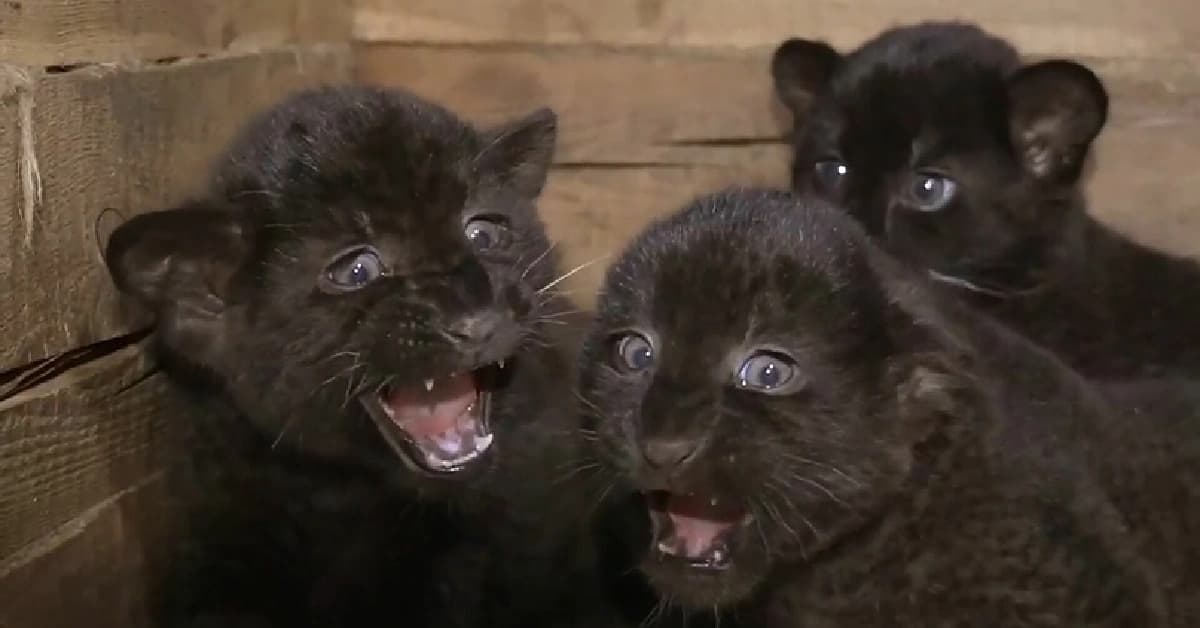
(68, 32)
(65, 447)
(1116, 28)
(99, 574)
(127, 138)
(642, 133)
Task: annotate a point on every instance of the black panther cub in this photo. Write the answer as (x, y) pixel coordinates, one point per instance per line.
(968, 164)
(821, 439)
(363, 306)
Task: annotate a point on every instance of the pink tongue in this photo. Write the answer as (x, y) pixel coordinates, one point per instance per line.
(698, 535)
(424, 413)
(697, 532)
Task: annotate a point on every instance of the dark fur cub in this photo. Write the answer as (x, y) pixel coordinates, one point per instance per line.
(968, 163)
(820, 440)
(360, 303)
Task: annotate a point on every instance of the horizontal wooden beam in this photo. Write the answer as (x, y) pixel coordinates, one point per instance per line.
(1096, 28)
(71, 32)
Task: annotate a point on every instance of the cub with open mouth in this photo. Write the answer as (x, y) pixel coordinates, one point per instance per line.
(820, 439)
(364, 305)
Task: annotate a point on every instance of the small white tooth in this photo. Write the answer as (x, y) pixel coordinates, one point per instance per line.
(712, 502)
(428, 385)
(500, 363)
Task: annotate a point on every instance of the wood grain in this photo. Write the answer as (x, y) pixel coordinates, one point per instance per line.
(593, 213)
(69, 449)
(57, 32)
(1101, 28)
(615, 107)
(641, 133)
(128, 139)
(100, 573)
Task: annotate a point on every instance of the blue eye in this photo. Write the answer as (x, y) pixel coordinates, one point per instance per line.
(353, 270)
(766, 372)
(634, 352)
(830, 173)
(932, 192)
(486, 233)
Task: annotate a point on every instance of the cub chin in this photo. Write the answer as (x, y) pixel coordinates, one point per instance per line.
(819, 439)
(361, 306)
(967, 163)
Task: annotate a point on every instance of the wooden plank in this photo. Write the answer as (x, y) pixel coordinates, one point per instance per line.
(592, 213)
(98, 572)
(54, 32)
(134, 139)
(616, 108)
(1115, 28)
(71, 446)
(1145, 183)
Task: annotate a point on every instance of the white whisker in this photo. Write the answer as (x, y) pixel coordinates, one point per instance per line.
(569, 273)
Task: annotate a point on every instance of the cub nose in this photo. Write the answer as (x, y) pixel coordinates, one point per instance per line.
(477, 328)
(666, 453)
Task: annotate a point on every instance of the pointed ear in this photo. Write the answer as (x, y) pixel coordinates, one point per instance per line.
(179, 264)
(520, 152)
(801, 67)
(1056, 109)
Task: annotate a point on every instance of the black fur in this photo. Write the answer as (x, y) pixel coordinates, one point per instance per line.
(935, 102)
(299, 513)
(924, 465)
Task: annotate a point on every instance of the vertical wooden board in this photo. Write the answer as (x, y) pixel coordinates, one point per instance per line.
(10, 206)
(1154, 28)
(56, 32)
(130, 139)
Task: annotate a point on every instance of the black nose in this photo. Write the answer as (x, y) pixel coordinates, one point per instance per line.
(666, 453)
(477, 328)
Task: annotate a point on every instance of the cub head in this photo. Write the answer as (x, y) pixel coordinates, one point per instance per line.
(361, 279)
(936, 138)
(754, 380)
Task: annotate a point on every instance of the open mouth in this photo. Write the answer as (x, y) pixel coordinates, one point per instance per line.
(440, 425)
(696, 528)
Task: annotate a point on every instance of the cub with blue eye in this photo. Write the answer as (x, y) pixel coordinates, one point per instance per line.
(820, 439)
(363, 309)
(967, 163)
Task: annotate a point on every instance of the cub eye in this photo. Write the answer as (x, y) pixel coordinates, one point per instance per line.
(634, 352)
(353, 270)
(932, 192)
(830, 173)
(766, 372)
(486, 232)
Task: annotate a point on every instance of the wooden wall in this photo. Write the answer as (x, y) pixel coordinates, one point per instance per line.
(663, 99)
(104, 104)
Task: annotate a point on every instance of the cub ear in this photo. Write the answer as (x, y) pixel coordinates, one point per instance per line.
(179, 264)
(801, 67)
(520, 152)
(930, 369)
(1056, 109)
